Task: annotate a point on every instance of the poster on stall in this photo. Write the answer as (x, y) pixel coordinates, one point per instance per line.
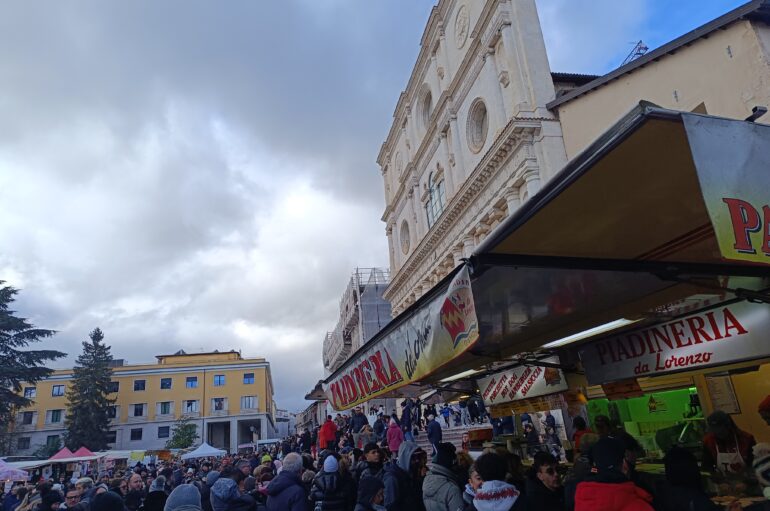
(522, 382)
(725, 334)
(432, 336)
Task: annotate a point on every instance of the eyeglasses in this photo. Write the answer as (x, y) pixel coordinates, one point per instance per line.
(73, 497)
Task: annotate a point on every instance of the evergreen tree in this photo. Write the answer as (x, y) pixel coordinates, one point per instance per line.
(87, 419)
(183, 435)
(18, 366)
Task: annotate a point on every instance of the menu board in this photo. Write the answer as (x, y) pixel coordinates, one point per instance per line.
(523, 382)
(722, 393)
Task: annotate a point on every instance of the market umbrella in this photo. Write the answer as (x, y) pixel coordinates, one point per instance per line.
(8, 473)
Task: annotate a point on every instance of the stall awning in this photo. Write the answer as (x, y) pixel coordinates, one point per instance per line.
(667, 212)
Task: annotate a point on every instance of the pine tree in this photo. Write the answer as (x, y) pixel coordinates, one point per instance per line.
(87, 419)
(18, 367)
(183, 435)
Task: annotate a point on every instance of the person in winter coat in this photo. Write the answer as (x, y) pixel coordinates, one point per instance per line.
(495, 494)
(684, 486)
(225, 494)
(357, 422)
(185, 497)
(403, 479)
(406, 420)
(471, 487)
(370, 465)
(285, 492)
(329, 492)
(434, 432)
(156, 498)
(327, 436)
(440, 491)
(544, 490)
(205, 489)
(379, 428)
(395, 436)
(366, 436)
(371, 494)
(610, 489)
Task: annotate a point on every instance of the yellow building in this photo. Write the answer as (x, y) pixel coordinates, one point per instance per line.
(229, 398)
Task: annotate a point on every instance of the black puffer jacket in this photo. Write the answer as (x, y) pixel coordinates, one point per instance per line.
(333, 491)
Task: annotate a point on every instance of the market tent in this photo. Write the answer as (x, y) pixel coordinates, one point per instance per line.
(63, 453)
(662, 214)
(204, 451)
(82, 452)
(9, 473)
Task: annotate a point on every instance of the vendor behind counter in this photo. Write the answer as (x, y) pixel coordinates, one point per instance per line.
(727, 450)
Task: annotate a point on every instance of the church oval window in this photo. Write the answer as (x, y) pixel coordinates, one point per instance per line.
(405, 238)
(478, 125)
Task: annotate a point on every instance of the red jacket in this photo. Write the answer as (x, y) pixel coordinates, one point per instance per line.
(328, 433)
(395, 437)
(592, 496)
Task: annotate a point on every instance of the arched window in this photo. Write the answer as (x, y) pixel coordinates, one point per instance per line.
(436, 199)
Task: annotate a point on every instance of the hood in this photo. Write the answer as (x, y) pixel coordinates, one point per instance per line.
(437, 478)
(225, 489)
(405, 452)
(495, 496)
(609, 496)
(281, 482)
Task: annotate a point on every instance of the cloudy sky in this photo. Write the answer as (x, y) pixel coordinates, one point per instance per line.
(201, 175)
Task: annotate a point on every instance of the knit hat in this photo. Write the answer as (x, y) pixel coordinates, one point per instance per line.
(331, 464)
(266, 458)
(367, 489)
(445, 454)
(107, 501)
(185, 497)
(370, 446)
(495, 495)
(608, 454)
(211, 478)
(158, 484)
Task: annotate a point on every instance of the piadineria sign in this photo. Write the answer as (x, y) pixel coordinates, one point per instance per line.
(721, 335)
(432, 336)
(522, 382)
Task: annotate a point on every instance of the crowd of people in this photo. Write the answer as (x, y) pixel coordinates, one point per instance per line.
(345, 465)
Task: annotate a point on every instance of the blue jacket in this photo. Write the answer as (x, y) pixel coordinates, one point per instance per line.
(406, 418)
(286, 493)
(434, 432)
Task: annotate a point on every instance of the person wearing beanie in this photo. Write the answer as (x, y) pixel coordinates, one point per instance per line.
(394, 436)
(495, 494)
(51, 501)
(329, 491)
(610, 488)
(371, 494)
(156, 498)
(185, 497)
(440, 490)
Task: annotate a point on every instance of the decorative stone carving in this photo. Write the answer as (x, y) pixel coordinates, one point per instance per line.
(461, 26)
(505, 78)
(399, 164)
(440, 72)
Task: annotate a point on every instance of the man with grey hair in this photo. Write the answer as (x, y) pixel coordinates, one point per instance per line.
(86, 487)
(286, 492)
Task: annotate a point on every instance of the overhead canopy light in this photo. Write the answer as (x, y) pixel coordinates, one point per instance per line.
(612, 325)
(458, 376)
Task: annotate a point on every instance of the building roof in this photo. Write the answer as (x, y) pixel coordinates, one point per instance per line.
(576, 78)
(183, 353)
(753, 10)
